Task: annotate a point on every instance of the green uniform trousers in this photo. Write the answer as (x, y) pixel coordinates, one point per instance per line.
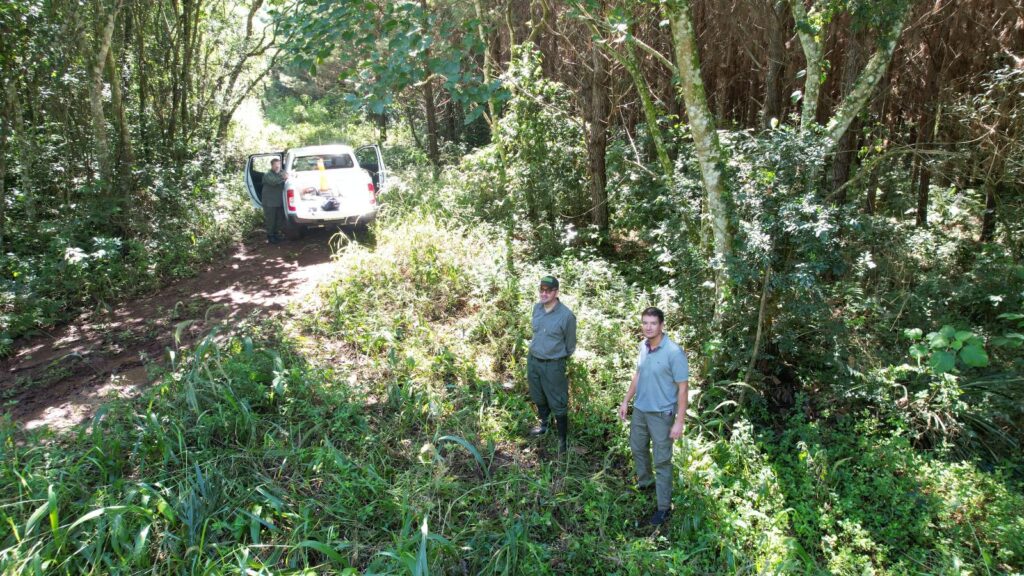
(549, 387)
(273, 220)
(645, 429)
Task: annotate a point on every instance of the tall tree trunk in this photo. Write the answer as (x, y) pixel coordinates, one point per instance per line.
(174, 76)
(552, 58)
(5, 130)
(773, 84)
(928, 125)
(868, 79)
(598, 140)
(412, 129)
(142, 75)
(846, 148)
(381, 120)
(452, 118)
(433, 152)
(705, 137)
(26, 142)
(811, 42)
(101, 45)
(650, 112)
(988, 219)
(125, 154)
(924, 180)
(869, 203)
(190, 17)
(428, 100)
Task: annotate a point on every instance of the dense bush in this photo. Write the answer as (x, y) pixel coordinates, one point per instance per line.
(56, 266)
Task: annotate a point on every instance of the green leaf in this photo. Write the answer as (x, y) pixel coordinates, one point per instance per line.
(937, 341)
(964, 335)
(918, 351)
(326, 550)
(912, 333)
(948, 332)
(942, 362)
(974, 356)
(54, 515)
(1008, 342)
(36, 516)
(470, 448)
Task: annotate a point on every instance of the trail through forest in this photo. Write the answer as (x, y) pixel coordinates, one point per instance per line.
(61, 376)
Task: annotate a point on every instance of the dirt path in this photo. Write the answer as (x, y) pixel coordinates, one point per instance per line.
(60, 379)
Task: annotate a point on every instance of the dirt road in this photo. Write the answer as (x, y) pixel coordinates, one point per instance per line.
(61, 378)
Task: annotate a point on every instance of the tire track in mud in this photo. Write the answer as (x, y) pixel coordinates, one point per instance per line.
(61, 377)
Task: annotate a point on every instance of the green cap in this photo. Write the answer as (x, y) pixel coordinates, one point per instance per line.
(549, 282)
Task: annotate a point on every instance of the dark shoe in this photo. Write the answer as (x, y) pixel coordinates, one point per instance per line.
(539, 430)
(659, 517)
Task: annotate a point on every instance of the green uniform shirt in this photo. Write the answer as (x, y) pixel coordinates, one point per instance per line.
(554, 332)
(660, 371)
(273, 187)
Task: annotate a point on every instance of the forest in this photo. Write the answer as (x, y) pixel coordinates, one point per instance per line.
(825, 197)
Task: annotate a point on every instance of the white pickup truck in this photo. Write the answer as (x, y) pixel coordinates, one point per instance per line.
(331, 184)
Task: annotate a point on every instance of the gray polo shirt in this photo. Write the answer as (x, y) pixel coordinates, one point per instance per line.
(660, 371)
(554, 332)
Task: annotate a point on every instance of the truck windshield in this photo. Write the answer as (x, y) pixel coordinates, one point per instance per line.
(330, 162)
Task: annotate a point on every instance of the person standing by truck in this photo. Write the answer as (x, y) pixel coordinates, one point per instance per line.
(272, 200)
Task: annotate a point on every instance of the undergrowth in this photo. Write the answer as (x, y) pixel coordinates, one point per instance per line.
(382, 430)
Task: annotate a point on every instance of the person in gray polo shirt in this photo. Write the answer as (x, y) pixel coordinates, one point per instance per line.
(554, 340)
(659, 390)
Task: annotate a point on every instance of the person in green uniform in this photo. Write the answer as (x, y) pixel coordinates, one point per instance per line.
(554, 341)
(660, 386)
(273, 207)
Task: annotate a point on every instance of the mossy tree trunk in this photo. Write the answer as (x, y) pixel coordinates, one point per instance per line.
(702, 128)
(868, 79)
(809, 27)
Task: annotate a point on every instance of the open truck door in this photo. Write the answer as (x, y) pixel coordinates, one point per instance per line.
(255, 168)
(372, 159)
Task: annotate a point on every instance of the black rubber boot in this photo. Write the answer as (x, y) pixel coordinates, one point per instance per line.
(541, 428)
(563, 431)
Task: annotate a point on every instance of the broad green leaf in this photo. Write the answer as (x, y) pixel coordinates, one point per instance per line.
(948, 332)
(918, 351)
(974, 356)
(912, 333)
(937, 341)
(963, 335)
(942, 361)
(1009, 342)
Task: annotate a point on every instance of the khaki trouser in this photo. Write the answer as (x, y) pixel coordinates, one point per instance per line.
(549, 388)
(647, 428)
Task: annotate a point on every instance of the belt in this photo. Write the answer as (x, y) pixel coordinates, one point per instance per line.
(547, 359)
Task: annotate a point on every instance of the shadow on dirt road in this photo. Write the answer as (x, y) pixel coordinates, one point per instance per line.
(61, 378)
